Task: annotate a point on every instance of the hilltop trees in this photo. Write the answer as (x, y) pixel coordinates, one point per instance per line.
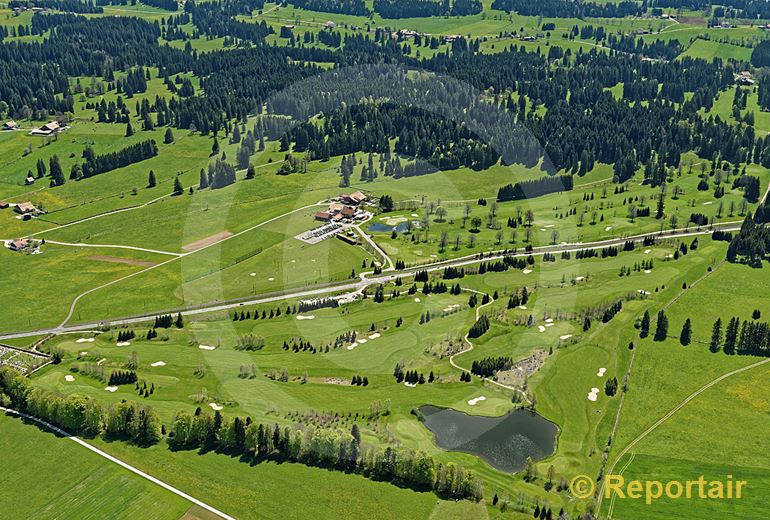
(661, 327)
(644, 329)
(56, 173)
(685, 337)
(715, 344)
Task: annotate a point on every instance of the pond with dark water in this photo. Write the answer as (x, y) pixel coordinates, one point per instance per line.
(504, 442)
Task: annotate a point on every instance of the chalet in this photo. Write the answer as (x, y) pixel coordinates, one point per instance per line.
(744, 78)
(358, 197)
(329, 25)
(18, 244)
(4, 205)
(47, 129)
(407, 33)
(10, 125)
(25, 208)
(335, 207)
(29, 181)
(324, 216)
(354, 199)
(348, 212)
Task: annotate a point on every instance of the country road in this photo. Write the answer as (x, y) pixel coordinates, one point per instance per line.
(351, 286)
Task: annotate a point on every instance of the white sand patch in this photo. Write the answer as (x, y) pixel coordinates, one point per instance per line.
(527, 271)
(123, 343)
(607, 228)
(271, 279)
(475, 400)
(417, 300)
(550, 324)
(601, 372)
(549, 226)
(647, 271)
(84, 353)
(709, 203)
(375, 335)
(523, 307)
(415, 215)
(578, 278)
(541, 328)
(308, 317)
(543, 229)
(410, 385)
(215, 406)
(593, 394)
(252, 274)
(158, 364)
(647, 251)
(434, 256)
(451, 307)
(206, 347)
(643, 292)
(112, 388)
(670, 255)
(101, 361)
(68, 378)
(84, 340)
(362, 341)
(549, 320)
(352, 346)
(565, 336)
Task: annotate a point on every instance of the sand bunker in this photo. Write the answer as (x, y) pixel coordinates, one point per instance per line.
(112, 388)
(206, 347)
(309, 317)
(601, 372)
(709, 203)
(523, 307)
(647, 251)
(203, 242)
(475, 400)
(101, 361)
(68, 378)
(527, 271)
(352, 346)
(216, 407)
(410, 385)
(252, 274)
(452, 307)
(158, 364)
(362, 341)
(271, 279)
(647, 271)
(593, 394)
(643, 292)
(549, 320)
(578, 278)
(84, 353)
(550, 324)
(417, 300)
(84, 340)
(374, 336)
(565, 336)
(541, 328)
(123, 343)
(118, 260)
(607, 228)
(415, 215)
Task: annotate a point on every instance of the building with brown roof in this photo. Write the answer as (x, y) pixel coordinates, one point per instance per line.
(25, 208)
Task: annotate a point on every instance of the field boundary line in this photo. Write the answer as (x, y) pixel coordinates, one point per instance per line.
(119, 462)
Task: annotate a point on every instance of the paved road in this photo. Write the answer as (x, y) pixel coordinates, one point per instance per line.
(351, 286)
(119, 462)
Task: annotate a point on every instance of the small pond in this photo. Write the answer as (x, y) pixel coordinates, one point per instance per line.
(504, 442)
(379, 227)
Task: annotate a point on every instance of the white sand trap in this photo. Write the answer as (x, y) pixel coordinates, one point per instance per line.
(271, 279)
(68, 378)
(123, 343)
(527, 271)
(308, 317)
(362, 341)
(84, 340)
(206, 347)
(543, 229)
(670, 256)
(523, 307)
(549, 320)
(475, 400)
(216, 406)
(84, 353)
(550, 324)
(375, 335)
(112, 388)
(101, 361)
(415, 215)
(592, 397)
(643, 292)
(410, 385)
(647, 271)
(352, 346)
(252, 274)
(647, 251)
(565, 336)
(607, 228)
(601, 372)
(541, 328)
(158, 364)
(709, 203)
(549, 226)
(578, 278)
(417, 300)
(293, 261)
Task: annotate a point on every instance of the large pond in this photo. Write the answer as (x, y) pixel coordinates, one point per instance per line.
(504, 442)
(379, 227)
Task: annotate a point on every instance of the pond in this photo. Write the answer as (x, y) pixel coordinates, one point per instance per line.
(504, 442)
(379, 227)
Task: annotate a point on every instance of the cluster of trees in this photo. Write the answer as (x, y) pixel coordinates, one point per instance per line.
(426, 8)
(122, 377)
(126, 335)
(359, 381)
(79, 414)
(249, 342)
(98, 164)
(611, 311)
(324, 447)
(518, 298)
(165, 321)
(479, 327)
(746, 338)
(351, 7)
(751, 244)
(535, 188)
(65, 6)
(487, 366)
(570, 9)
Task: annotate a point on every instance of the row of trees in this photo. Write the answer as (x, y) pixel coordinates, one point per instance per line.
(324, 447)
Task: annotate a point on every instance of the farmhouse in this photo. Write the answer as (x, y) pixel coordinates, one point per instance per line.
(4, 205)
(323, 216)
(353, 199)
(329, 25)
(26, 208)
(744, 78)
(10, 125)
(18, 244)
(50, 128)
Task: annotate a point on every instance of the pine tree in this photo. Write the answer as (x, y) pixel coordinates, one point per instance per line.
(57, 175)
(168, 138)
(129, 129)
(685, 337)
(731, 336)
(716, 336)
(661, 327)
(151, 181)
(178, 189)
(644, 329)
